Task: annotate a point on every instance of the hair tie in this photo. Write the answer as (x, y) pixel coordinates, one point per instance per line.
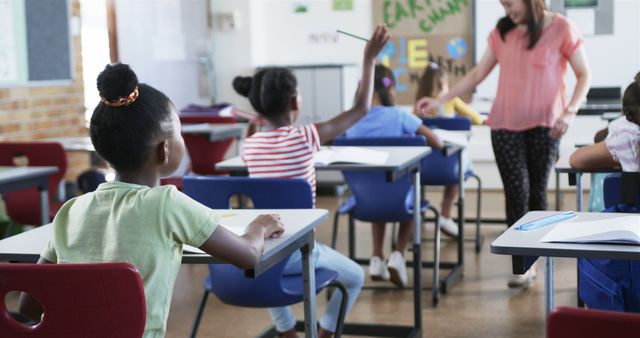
(123, 100)
(433, 65)
(386, 81)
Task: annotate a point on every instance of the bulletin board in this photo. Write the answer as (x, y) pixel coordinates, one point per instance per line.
(35, 44)
(423, 32)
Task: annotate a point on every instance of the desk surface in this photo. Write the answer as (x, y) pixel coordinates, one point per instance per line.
(563, 166)
(527, 243)
(400, 158)
(12, 174)
(27, 246)
(215, 131)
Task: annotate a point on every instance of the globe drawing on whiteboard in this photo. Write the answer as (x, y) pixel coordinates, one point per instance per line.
(457, 48)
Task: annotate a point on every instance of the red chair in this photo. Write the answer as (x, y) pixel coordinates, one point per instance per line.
(23, 206)
(565, 322)
(79, 300)
(205, 154)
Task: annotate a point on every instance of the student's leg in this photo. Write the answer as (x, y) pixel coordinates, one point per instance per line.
(448, 198)
(542, 154)
(510, 152)
(377, 230)
(404, 233)
(350, 274)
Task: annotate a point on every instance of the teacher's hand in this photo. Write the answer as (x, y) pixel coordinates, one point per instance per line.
(426, 104)
(562, 124)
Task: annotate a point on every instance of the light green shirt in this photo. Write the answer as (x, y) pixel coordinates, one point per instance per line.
(146, 227)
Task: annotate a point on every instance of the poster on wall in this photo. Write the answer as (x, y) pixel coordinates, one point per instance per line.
(426, 31)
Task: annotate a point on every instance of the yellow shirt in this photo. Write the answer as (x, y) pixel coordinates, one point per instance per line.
(457, 105)
(146, 227)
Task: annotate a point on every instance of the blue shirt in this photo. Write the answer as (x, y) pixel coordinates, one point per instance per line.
(384, 121)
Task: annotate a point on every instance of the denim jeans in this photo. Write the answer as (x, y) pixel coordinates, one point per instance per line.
(350, 274)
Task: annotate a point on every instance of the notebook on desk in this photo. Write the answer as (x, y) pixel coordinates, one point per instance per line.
(356, 155)
(619, 230)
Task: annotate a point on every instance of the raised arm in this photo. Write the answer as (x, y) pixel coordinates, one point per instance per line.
(243, 251)
(338, 125)
(580, 66)
(468, 83)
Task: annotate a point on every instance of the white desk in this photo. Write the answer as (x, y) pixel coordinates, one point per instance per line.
(17, 178)
(527, 243)
(299, 235)
(402, 161)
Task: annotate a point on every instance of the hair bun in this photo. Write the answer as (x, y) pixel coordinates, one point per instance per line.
(116, 81)
(637, 78)
(242, 85)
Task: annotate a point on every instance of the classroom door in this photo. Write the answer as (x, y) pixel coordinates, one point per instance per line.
(167, 43)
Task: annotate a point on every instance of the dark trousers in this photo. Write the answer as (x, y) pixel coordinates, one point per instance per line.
(524, 159)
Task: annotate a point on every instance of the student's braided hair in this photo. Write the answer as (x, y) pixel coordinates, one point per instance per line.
(270, 90)
(127, 119)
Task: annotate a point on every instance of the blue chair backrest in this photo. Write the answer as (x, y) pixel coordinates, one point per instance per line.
(376, 199)
(226, 281)
(611, 195)
(448, 123)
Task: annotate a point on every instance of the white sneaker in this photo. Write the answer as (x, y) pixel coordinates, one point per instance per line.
(378, 269)
(523, 281)
(397, 269)
(448, 226)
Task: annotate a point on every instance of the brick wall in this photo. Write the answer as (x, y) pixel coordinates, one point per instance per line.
(33, 111)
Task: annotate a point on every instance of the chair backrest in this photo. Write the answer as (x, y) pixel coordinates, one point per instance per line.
(566, 322)
(79, 300)
(226, 281)
(205, 154)
(612, 193)
(376, 199)
(22, 206)
(448, 123)
(206, 118)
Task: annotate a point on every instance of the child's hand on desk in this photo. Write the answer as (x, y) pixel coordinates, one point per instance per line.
(272, 225)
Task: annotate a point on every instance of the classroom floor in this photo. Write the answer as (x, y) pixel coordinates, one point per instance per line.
(480, 305)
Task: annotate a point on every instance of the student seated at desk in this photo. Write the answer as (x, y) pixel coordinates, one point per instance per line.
(621, 147)
(136, 129)
(286, 151)
(435, 83)
(386, 120)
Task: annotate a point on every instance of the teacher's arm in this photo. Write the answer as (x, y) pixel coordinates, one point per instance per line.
(580, 66)
(467, 83)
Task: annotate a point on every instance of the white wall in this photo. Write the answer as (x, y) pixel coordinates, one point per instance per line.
(269, 33)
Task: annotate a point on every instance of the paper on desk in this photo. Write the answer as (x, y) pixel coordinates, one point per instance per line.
(618, 230)
(231, 222)
(453, 137)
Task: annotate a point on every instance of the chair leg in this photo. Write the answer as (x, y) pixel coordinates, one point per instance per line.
(196, 322)
(478, 210)
(352, 237)
(343, 307)
(436, 259)
(334, 234)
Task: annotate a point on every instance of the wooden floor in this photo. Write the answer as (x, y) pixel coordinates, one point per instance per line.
(481, 305)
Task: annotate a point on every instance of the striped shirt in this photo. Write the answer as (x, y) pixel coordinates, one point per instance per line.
(623, 143)
(286, 152)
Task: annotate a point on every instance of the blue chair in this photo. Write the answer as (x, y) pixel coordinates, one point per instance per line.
(443, 170)
(374, 199)
(609, 284)
(272, 288)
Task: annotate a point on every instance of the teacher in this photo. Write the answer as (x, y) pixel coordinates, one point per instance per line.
(530, 112)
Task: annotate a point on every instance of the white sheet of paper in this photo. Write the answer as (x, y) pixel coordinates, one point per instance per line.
(623, 229)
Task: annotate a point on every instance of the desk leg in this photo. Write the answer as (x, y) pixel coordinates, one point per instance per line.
(44, 204)
(548, 286)
(460, 211)
(417, 253)
(578, 191)
(309, 275)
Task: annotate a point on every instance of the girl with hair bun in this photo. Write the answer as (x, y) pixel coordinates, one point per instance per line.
(136, 128)
(286, 151)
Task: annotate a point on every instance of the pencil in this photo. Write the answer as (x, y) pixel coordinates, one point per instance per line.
(352, 35)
